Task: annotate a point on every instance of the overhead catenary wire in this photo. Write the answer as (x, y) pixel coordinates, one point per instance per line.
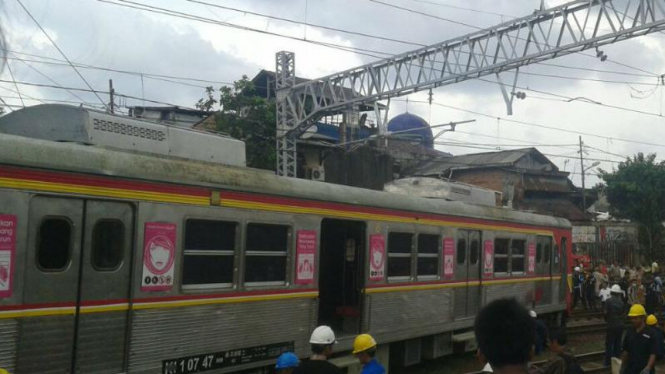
(355, 50)
(59, 50)
(425, 14)
(98, 92)
(11, 74)
(533, 124)
(168, 12)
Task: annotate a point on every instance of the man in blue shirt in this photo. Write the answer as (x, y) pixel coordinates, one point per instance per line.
(364, 347)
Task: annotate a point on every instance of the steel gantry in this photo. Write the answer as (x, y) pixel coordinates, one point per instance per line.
(545, 34)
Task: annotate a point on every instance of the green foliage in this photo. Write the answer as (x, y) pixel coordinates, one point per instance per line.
(636, 191)
(247, 117)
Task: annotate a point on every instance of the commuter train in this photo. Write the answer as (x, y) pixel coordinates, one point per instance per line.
(116, 258)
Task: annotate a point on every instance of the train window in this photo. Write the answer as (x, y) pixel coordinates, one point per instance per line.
(266, 250)
(501, 247)
(428, 255)
(399, 254)
(54, 244)
(461, 251)
(539, 252)
(474, 251)
(517, 250)
(108, 244)
(209, 253)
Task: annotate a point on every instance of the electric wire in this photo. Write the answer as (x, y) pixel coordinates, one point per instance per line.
(59, 50)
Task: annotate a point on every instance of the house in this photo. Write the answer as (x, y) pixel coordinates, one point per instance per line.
(527, 180)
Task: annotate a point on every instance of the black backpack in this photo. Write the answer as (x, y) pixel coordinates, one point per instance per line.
(572, 367)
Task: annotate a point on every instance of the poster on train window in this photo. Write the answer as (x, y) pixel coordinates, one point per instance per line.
(377, 257)
(488, 258)
(531, 258)
(305, 250)
(7, 252)
(158, 256)
(448, 257)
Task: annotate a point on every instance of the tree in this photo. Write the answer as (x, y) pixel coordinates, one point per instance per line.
(245, 116)
(636, 191)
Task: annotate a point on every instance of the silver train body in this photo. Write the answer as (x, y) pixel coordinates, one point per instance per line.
(120, 262)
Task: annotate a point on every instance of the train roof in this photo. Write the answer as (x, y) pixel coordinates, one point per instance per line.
(73, 157)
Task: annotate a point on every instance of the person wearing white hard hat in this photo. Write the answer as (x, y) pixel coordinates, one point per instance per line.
(322, 341)
(614, 309)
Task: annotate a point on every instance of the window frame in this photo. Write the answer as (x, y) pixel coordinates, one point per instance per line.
(38, 242)
(410, 255)
(285, 254)
(436, 255)
(502, 256)
(510, 255)
(523, 256)
(204, 252)
(92, 245)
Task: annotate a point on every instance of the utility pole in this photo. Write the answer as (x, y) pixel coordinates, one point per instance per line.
(111, 92)
(582, 168)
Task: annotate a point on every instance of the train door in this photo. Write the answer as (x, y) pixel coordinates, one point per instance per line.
(543, 270)
(341, 275)
(467, 270)
(77, 284)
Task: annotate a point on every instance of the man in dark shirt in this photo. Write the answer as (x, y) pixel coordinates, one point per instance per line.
(639, 345)
(322, 341)
(614, 316)
(541, 333)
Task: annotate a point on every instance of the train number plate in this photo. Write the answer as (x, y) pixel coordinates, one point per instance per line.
(213, 361)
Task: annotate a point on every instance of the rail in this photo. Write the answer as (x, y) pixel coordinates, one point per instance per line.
(583, 358)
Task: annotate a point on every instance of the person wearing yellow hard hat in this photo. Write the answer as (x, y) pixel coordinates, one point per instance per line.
(364, 347)
(652, 322)
(3, 371)
(639, 345)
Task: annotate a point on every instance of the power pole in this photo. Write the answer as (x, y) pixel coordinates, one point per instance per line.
(111, 92)
(582, 168)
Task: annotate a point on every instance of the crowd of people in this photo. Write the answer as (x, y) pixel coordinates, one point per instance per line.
(620, 292)
(639, 285)
(509, 336)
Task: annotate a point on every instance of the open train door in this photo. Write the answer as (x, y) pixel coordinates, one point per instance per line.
(341, 275)
(77, 279)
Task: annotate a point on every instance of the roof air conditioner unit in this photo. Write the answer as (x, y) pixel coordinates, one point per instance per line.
(318, 174)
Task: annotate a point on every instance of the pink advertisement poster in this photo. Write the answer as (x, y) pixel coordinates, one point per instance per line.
(532, 258)
(448, 257)
(305, 250)
(7, 250)
(488, 258)
(158, 256)
(377, 254)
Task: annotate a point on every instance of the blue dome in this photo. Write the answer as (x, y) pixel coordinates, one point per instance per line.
(420, 127)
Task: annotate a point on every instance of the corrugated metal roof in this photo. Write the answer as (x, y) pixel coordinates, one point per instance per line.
(476, 160)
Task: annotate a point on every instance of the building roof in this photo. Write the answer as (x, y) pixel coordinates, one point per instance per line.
(557, 207)
(487, 160)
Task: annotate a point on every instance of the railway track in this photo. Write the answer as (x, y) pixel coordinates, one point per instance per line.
(586, 328)
(591, 363)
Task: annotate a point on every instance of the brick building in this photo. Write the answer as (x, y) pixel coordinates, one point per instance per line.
(527, 179)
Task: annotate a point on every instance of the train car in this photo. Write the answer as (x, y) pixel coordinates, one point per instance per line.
(117, 259)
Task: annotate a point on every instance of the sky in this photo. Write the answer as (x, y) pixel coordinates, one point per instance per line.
(158, 50)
